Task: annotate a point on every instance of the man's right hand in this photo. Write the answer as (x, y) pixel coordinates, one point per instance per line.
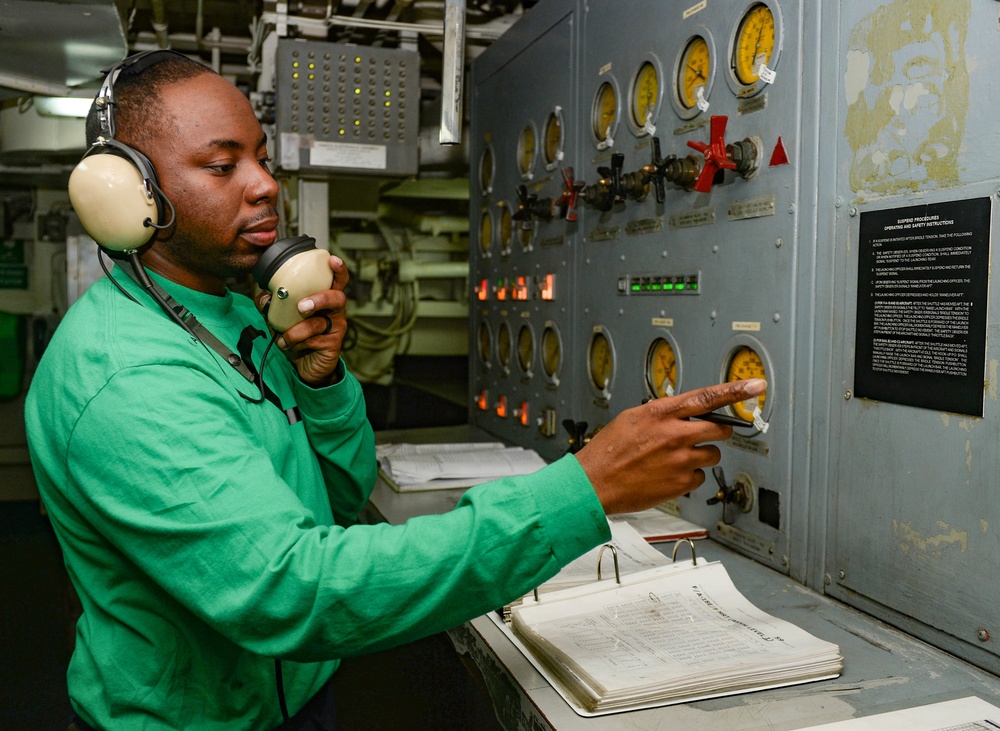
(656, 452)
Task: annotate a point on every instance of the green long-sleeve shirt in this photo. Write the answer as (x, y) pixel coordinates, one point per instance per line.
(207, 536)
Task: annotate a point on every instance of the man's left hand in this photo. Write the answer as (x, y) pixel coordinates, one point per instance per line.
(313, 345)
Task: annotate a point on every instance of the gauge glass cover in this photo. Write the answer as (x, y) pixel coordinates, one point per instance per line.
(754, 43)
(746, 363)
(645, 93)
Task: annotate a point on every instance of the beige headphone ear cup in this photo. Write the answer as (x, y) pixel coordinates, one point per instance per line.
(110, 196)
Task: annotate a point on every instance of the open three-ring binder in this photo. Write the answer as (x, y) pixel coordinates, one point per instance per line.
(672, 634)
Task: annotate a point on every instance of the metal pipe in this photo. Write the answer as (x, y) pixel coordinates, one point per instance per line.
(159, 23)
(427, 29)
(452, 76)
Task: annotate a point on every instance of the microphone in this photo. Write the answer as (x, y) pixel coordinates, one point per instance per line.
(291, 269)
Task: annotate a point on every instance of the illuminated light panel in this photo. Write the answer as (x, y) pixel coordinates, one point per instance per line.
(501, 289)
(483, 290)
(483, 402)
(523, 414)
(519, 290)
(548, 287)
(501, 407)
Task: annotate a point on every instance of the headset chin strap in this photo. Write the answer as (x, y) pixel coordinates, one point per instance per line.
(182, 316)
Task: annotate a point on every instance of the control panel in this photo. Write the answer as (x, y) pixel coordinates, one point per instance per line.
(670, 195)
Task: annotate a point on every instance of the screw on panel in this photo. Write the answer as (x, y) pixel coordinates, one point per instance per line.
(842, 574)
(791, 208)
(784, 560)
(854, 211)
(848, 395)
(827, 579)
(777, 317)
(779, 242)
(840, 201)
(983, 634)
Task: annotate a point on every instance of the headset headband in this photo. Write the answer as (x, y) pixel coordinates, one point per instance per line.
(105, 100)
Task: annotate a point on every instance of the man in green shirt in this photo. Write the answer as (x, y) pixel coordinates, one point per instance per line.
(207, 519)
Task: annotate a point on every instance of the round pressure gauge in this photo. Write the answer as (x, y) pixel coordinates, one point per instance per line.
(551, 352)
(553, 141)
(645, 94)
(485, 231)
(503, 344)
(661, 368)
(754, 43)
(506, 228)
(526, 150)
(485, 343)
(744, 363)
(600, 361)
(605, 112)
(525, 348)
(486, 170)
(694, 71)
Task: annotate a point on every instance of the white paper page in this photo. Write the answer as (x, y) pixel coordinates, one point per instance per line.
(661, 630)
(634, 554)
(390, 450)
(452, 465)
(963, 714)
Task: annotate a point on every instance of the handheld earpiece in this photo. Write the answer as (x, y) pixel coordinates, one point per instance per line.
(114, 189)
(291, 269)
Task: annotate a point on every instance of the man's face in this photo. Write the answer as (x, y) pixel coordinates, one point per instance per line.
(211, 160)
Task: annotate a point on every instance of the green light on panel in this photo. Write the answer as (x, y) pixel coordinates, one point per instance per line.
(636, 288)
(657, 287)
(679, 287)
(693, 285)
(667, 286)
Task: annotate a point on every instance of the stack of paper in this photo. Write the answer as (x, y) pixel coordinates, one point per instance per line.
(411, 467)
(671, 634)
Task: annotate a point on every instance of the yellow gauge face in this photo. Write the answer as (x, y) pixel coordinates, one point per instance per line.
(553, 138)
(601, 361)
(525, 348)
(485, 231)
(754, 43)
(506, 227)
(503, 344)
(526, 149)
(486, 170)
(551, 352)
(485, 347)
(645, 93)
(746, 363)
(605, 111)
(694, 72)
(661, 368)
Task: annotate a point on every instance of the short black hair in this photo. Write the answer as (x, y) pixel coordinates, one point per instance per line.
(137, 97)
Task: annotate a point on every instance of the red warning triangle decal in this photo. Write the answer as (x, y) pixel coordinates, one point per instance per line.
(779, 156)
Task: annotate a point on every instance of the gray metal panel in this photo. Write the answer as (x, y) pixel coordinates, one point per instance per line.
(743, 238)
(518, 85)
(347, 109)
(913, 509)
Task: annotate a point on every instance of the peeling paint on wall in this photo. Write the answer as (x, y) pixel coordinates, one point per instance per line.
(907, 88)
(991, 385)
(984, 526)
(912, 539)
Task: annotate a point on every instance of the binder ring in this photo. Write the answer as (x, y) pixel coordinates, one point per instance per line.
(677, 544)
(614, 554)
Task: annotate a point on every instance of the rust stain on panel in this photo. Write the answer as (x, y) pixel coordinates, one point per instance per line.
(907, 86)
(913, 541)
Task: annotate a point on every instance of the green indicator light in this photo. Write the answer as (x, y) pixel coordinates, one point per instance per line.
(657, 287)
(679, 286)
(667, 287)
(636, 288)
(694, 286)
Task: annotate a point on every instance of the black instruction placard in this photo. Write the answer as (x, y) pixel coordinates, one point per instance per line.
(923, 276)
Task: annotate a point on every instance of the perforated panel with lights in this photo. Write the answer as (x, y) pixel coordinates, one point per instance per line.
(345, 108)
